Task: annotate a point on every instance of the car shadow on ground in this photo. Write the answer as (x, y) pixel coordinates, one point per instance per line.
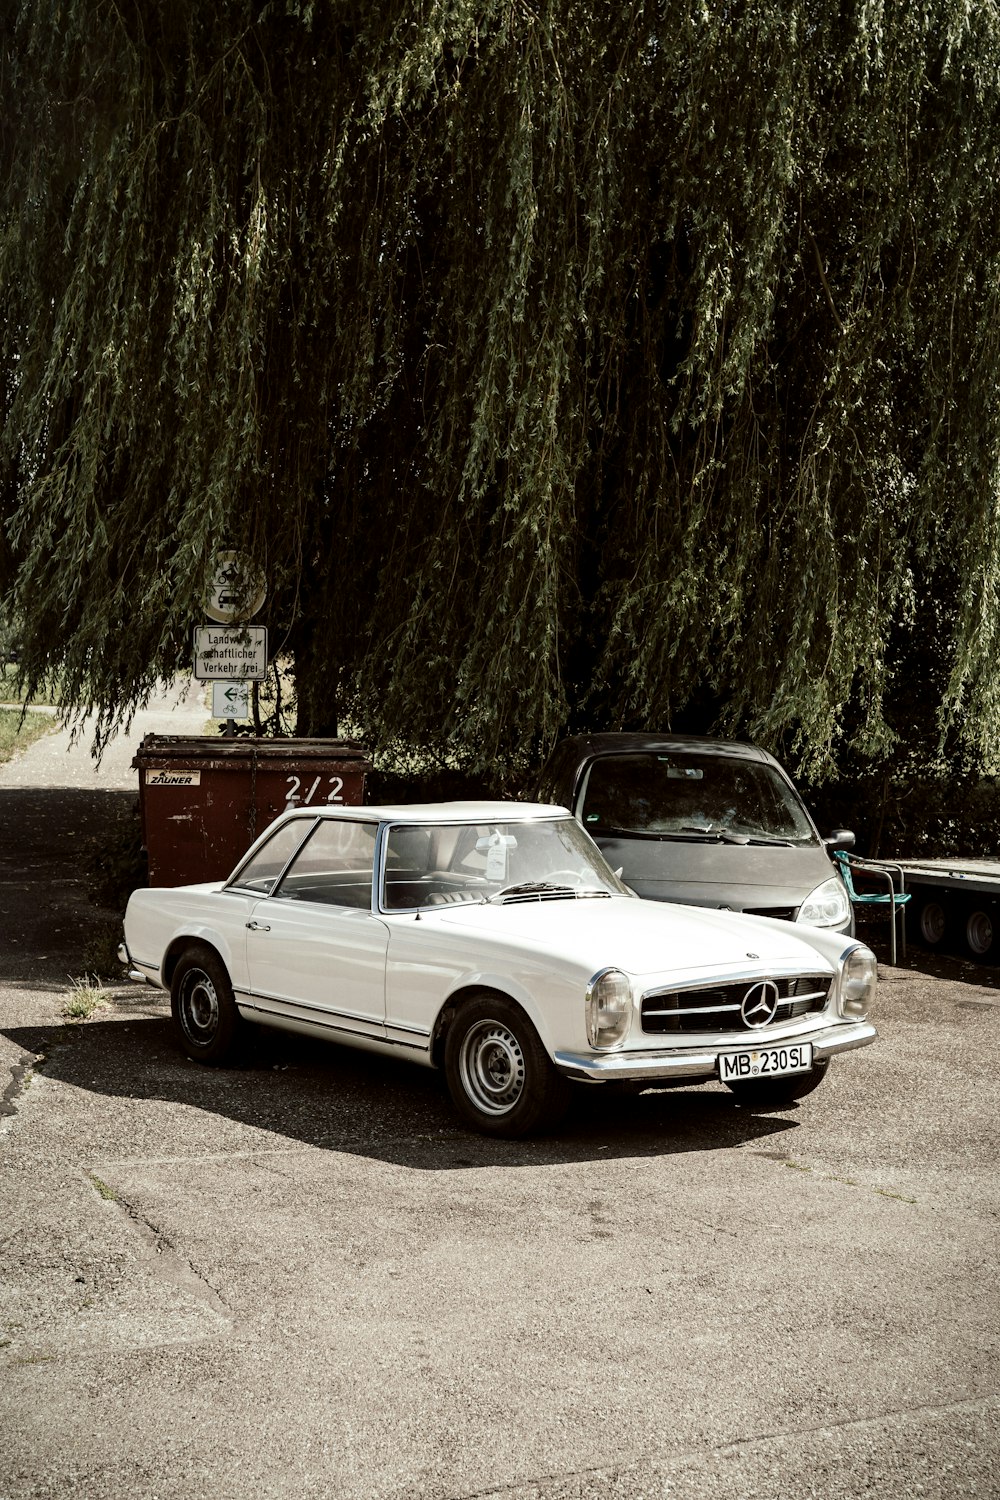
(339, 1099)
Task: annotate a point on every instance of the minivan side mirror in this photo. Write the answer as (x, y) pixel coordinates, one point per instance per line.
(840, 838)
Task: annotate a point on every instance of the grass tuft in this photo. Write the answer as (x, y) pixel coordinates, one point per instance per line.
(88, 995)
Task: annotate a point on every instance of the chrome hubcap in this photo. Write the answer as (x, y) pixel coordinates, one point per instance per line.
(932, 923)
(979, 932)
(491, 1067)
(199, 1007)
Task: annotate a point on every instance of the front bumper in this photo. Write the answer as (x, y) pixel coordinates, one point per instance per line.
(680, 1063)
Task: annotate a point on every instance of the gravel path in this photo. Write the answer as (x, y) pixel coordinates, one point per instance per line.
(58, 761)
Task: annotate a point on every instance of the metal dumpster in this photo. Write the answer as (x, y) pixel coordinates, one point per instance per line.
(204, 801)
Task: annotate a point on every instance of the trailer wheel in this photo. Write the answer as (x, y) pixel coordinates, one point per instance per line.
(980, 932)
(932, 923)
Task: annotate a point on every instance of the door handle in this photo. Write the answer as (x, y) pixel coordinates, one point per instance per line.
(258, 927)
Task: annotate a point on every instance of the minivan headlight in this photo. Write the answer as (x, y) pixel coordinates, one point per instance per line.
(609, 1009)
(858, 975)
(827, 906)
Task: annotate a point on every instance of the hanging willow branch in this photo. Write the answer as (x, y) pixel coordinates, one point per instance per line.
(487, 331)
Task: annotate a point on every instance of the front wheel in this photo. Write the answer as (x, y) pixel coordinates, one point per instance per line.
(203, 1008)
(498, 1073)
(777, 1093)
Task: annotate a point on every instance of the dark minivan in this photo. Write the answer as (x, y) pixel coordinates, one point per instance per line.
(704, 822)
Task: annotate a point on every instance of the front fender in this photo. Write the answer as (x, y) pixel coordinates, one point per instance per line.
(550, 1009)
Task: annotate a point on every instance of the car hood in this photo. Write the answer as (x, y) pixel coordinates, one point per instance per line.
(735, 875)
(646, 937)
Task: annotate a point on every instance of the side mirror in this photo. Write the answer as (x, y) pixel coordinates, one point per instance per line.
(840, 838)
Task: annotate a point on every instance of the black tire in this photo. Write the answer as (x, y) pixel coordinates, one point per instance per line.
(929, 922)
(778, 1093)
(980, 931)
(498, 1073)
(202, 1006)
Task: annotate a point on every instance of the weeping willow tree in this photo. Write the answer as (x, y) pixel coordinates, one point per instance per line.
(560, 362)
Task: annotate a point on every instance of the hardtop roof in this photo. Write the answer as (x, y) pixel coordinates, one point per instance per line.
(442, 812)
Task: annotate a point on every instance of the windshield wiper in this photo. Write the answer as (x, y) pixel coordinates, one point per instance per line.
(647, 833)
(718, 835)
(538, 887)
(691, 835)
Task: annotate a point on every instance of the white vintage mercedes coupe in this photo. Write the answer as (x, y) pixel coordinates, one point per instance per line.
(493, 940)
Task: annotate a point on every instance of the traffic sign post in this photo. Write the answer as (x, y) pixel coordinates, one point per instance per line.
(230, 653)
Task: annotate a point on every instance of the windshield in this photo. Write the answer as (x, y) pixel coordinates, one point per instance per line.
(700, 798)
(434, 864)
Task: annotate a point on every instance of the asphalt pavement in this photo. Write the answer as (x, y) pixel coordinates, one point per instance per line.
(302, 1277)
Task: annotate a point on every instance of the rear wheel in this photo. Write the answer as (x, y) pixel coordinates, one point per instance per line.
(203, 1008)
(776, 1093)
(499, 1075)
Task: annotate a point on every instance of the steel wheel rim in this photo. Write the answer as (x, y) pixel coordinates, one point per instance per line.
(491, 1067)
(198, 1008)
(932, 922)
(979, 931)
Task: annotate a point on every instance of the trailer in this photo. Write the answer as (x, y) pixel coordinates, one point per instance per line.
(954, 904)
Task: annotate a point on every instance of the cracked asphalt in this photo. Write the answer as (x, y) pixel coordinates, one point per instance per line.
(303, 1278)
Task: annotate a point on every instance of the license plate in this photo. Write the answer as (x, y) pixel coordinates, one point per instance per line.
(765, 1062)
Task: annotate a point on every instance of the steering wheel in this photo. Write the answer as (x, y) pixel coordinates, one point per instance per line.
(565, 877)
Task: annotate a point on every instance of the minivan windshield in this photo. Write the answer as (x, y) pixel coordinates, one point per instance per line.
(698, 798)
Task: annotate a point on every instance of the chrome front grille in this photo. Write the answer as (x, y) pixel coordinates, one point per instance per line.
(719, 1007)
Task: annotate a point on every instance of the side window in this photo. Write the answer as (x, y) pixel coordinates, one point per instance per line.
(335, 866)
(261, 872)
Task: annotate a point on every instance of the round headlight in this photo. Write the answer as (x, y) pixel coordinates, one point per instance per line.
(857, 982)
(609, 1009)
(827, 906)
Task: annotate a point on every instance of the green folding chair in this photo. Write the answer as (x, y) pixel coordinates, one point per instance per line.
(894, 899)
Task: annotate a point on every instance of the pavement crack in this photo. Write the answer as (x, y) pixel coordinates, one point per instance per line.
(821, 1176)
(167, 1260)
(671, 1461)
(21, 1074)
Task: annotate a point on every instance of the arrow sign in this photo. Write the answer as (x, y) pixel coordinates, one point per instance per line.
(230, 700)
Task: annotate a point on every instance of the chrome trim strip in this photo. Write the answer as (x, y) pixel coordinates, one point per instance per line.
(675, 1063)
(701, 1010)
(253, 997)
(287, 1015)
(748, 975)
(695, 1010)
(412, 1046)
(282, 1017)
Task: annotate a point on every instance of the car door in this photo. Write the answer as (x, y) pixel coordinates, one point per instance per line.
(315, 950)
